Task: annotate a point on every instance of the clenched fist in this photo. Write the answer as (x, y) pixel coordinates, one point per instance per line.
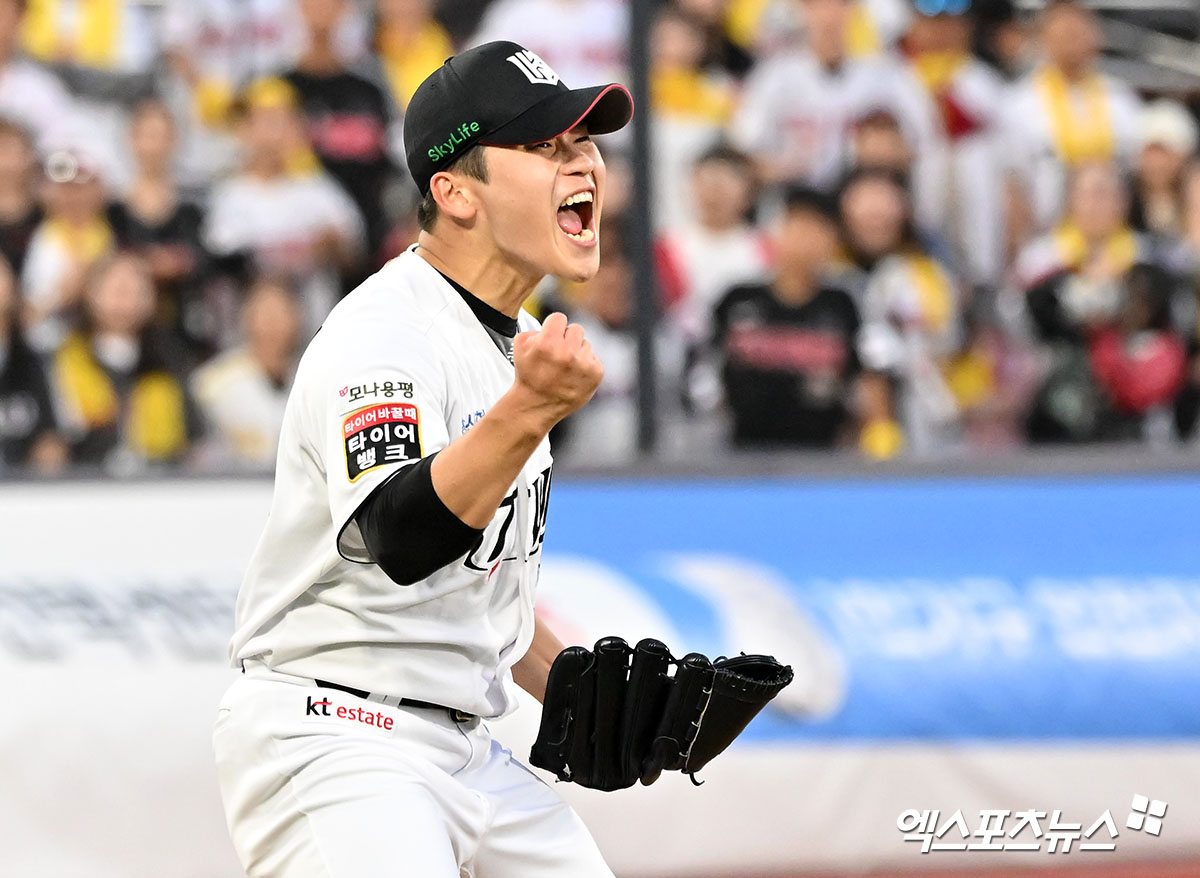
(556, 368)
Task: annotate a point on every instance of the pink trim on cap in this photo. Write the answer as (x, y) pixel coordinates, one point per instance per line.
(592, 106)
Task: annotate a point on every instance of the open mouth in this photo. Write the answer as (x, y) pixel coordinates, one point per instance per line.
(575, 217)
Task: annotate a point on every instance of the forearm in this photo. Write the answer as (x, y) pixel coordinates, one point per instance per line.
(532, 671)
(472, 474)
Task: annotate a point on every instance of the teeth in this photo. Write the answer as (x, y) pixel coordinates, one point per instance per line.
(576, 199)
(584, 236)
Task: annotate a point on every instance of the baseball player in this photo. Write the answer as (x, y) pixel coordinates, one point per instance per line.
(388, 610)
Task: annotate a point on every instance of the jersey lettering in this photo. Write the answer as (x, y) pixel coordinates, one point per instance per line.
(475, 559)
(539, 494)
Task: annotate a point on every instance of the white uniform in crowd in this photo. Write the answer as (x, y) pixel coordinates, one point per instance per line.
(797, 115)
(34, 98)
(583, 40)
(1103, 114)
(401, 368)
(242, 406)
(278, 223)
(976, 175)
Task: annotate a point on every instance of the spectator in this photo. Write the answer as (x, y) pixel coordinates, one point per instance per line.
(29, 95)
(117, 378)
(604, 431)
(294, 222)
(105, 52)
(910, 313)
(74, 235)
(799, 105)
(721, 53)
(582, 40)
(788, 346)
(214, 49)
(877, 141)
(1139, 359)
(690, 111)
(714, 248)
(241, 393)
(1066, 113)
(411, 44)
(159, 224)
(29, 435)
(1168, 141)
(20, 212)
(1071, 274)
(968, 95)
(350, 119)
(1108, 375)
(1002, 39)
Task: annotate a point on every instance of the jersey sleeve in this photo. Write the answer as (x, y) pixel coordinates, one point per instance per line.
(383, 410)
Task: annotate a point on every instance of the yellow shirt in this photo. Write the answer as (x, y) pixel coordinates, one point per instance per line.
(408, 60)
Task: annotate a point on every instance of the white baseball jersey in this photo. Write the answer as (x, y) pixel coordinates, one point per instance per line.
(401, 368)
(797, 115)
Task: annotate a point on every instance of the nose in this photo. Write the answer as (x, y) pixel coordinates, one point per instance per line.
(576, 159)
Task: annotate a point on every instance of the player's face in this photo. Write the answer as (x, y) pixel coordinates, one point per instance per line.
(542, 203)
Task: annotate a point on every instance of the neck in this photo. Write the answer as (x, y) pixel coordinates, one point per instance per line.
(320, 56)
(274, 361)
(148, 175)
(77, 220)
(830, 57)
(489, 276)
(401, 32)
(265, 168)
(1074, 73)
(795, 286)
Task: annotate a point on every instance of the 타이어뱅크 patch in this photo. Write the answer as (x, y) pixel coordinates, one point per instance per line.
(381, 434)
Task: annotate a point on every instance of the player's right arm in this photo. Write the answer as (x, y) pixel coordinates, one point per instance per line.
(427, 509)
(556, 374)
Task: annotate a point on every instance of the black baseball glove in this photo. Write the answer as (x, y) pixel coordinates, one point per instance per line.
(615, 715)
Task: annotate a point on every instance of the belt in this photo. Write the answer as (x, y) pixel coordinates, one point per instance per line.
(257, 666)
(459, 716)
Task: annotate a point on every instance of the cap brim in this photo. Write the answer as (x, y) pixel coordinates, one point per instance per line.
(604, 108)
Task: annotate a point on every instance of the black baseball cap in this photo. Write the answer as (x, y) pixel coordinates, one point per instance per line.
(500, 93)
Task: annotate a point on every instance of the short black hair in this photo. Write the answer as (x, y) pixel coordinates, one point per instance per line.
(470, 164)
(805, 199)
(726, 154)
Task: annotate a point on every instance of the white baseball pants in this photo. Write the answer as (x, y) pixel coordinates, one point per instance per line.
(318, 783)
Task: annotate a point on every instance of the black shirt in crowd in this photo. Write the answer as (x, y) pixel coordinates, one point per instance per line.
(26, 409)
(15, 235)
(180, 311)
(348, 120)
(788, 369)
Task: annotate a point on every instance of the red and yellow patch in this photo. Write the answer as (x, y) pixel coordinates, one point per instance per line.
(381, 434)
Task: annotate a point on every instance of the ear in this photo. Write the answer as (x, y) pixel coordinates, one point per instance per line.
(454, 195)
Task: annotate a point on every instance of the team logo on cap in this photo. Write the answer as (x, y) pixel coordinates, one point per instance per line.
(535, 69)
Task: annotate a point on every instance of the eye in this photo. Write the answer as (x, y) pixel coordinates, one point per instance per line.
(583, 138)
(544, 143)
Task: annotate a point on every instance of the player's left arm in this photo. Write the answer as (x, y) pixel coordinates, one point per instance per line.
(531, 671)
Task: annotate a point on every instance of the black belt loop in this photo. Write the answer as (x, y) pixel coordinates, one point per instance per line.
(458, 716)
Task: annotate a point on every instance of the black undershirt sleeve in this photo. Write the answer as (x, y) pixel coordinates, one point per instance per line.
(407, 529)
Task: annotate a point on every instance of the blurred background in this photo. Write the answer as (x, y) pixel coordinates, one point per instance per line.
(900, 312)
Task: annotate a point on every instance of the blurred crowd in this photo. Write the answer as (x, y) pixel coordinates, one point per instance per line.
(905, 228)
